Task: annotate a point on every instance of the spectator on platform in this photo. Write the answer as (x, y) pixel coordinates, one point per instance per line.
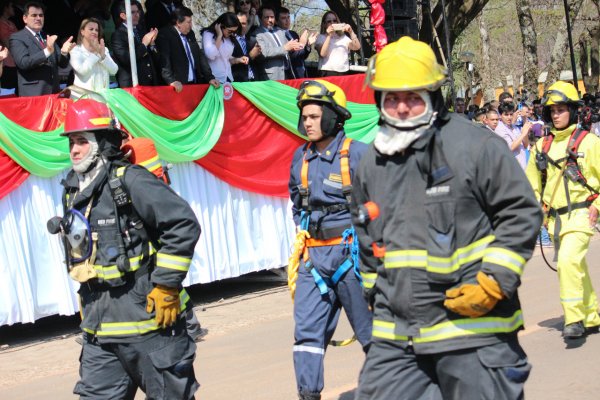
(37, 55)
(90, 59)
(158, 13)
(283, 21)
(245, 46)
(334, 45)
(217, 42)
(275, 47)
(3, 55)
(7, 28)
(245, 7)
(146, 53)
(182, 61)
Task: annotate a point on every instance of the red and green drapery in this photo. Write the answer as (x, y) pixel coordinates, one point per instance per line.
(247, 141)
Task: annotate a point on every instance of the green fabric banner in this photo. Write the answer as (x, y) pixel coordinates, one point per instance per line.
(176, 141)
(43, 154)
(46, 154)
(278, 101)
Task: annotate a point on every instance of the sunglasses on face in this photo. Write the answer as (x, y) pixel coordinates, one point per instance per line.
(242, 2)
(331, 21)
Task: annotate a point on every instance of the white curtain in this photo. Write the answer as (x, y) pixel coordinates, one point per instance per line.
(242, 232)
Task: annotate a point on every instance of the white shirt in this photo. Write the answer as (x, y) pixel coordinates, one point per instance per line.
(218, 58)
(338, 51)
(91, 72)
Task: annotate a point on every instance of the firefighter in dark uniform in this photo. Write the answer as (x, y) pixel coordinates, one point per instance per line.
(138, 242)
(326, 278)
(442, 262)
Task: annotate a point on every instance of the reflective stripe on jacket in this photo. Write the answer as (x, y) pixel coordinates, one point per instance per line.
(114, 305)
(444, 217)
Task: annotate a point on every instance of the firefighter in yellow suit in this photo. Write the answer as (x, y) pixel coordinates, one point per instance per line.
(568, 182)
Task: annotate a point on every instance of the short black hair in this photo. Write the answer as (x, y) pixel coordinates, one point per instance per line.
(481, 111)
(281, 10)
(505, 107)
(263, 8)
(505, 95)
(34, 4)
(179, 14)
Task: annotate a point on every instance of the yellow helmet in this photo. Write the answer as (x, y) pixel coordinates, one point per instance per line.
(323, 92)
(560, 93)
(406, 64)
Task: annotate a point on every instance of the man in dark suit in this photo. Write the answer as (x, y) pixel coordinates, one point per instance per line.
(158, 12)
(297, 58)
(37, 55)
(181, 59)
(146, 54)
(245, 49)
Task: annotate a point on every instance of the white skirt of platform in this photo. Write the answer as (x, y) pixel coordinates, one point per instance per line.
(242, 232)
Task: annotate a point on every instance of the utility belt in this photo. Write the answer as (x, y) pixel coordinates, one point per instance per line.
(553, 212)
(320, 233)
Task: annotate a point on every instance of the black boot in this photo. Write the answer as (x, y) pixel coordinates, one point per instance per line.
(574, 330)
(309, 396)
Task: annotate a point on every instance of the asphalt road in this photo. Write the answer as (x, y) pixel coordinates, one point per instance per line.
(247, 352)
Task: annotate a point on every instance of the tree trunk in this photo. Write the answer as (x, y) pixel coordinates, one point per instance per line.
(459, 15)
(485, 70)
(530, 57)
(594, 61)
(560, 52)
(583, 60)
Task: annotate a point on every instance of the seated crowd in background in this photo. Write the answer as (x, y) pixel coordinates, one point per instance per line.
(38, 55)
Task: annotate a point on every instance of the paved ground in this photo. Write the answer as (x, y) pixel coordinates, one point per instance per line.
(247, 353)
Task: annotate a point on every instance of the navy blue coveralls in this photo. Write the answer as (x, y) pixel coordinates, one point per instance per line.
(316, 315)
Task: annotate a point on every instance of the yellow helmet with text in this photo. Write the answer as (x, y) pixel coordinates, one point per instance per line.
(404, 65)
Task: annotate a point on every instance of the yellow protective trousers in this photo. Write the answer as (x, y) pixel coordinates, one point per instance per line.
(577, 295)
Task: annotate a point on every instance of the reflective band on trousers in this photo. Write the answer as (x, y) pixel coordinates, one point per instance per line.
(108, 272)
(441, 265)
(506, 258)
(452, 329)
(308, 349)
(368, 279)
(173, 262)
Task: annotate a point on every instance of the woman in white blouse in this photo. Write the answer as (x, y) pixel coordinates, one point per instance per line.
(218, 46)
(90, 59)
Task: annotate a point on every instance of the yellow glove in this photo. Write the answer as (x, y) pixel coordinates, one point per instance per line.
(474, 300)
(166, 302)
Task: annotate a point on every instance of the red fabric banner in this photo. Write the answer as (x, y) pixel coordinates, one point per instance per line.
(253, 152)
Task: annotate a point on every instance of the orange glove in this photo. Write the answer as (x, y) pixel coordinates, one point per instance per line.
(166, 302)
(474, 300)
